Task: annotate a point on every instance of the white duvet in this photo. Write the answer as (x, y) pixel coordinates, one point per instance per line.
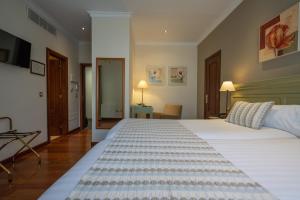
(274, 163)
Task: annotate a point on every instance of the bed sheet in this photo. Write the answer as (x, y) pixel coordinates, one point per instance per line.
(273, 163)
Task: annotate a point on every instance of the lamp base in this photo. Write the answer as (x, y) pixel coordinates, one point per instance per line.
(226, 107)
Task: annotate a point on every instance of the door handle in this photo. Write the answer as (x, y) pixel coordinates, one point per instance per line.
(206, 98)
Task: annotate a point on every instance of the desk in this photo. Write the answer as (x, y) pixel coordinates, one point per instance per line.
(140, 111)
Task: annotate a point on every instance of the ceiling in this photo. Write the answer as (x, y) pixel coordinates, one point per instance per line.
(186, 21)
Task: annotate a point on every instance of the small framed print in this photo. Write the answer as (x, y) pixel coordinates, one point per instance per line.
(155, 75)
(37, 68)
(177, 76)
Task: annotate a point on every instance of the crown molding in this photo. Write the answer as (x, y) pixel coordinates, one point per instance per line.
(94, 13)
(219, 20)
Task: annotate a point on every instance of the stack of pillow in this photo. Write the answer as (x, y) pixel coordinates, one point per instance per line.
(256, 115)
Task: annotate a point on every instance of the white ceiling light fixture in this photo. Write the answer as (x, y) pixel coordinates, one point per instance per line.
(83, 28)
(165, 31)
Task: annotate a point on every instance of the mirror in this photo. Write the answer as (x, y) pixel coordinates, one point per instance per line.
(110, 91)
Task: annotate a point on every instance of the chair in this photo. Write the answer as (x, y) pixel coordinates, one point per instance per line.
(170, 112)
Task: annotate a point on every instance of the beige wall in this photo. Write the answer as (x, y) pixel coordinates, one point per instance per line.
(182, 55)
(238, 38)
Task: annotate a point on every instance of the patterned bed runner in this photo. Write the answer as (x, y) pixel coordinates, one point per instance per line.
(162, 160)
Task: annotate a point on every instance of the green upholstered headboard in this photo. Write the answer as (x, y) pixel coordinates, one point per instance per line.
(282, 91)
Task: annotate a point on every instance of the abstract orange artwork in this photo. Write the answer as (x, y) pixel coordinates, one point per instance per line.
(279, 36)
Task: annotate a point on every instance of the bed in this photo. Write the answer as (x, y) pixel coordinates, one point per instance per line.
(240, 163)
(264, 160)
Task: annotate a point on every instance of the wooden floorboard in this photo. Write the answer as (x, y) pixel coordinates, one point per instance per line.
(31, 180)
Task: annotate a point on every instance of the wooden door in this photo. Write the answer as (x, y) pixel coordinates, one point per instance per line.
(212, 85)
(57, 94)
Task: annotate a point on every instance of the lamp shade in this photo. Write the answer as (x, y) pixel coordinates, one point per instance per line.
(227, 86)
(142, 84)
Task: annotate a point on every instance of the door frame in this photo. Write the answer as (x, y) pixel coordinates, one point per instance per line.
(82, 92)
(98, 59)
(219, 54)
(56, 54)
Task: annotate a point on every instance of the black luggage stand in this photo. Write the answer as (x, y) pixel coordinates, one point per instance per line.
(13, 135)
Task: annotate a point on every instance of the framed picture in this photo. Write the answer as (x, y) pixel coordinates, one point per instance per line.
(280, 35)
(37, 68)
(177, 76)
(155, 75)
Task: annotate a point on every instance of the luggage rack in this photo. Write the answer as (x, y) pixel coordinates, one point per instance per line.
(13, 135)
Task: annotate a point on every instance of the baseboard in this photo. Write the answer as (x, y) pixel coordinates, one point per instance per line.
(9, 159)
(76, 130)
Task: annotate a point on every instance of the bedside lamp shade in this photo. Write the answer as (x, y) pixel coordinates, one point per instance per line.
(142, 84)
(227, 86)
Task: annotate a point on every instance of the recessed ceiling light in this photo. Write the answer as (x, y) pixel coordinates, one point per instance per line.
(165, 31)
(83, 28)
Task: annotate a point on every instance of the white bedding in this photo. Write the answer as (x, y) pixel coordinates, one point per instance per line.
(219, 129)
(246, 148)
(274, 163)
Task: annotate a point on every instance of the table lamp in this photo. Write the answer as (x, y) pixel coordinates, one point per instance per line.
(227, 86)
(142, 85)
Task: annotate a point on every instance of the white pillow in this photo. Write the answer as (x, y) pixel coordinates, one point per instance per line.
(284, 117)
(251, 115)
(261, 113)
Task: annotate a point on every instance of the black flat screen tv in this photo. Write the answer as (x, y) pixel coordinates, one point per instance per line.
(14, 50)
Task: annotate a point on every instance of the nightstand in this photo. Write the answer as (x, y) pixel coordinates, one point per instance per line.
(219, 116)
(222, 115)
(213, 117)
(141, 111)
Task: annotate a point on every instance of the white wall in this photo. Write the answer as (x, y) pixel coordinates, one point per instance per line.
(110, 39)
(167, 55)
(19, 90)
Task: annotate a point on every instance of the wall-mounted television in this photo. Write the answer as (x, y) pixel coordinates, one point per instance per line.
(14, 50)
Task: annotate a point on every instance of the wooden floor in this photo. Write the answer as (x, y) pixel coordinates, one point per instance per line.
(108, 123)
(30, 180)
